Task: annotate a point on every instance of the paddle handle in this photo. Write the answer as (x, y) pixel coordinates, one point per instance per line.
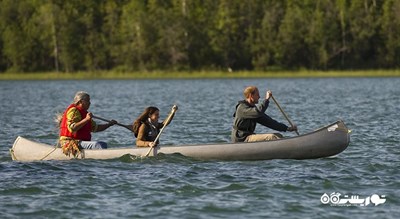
(284, 114)
(109, 121)
(167, 121)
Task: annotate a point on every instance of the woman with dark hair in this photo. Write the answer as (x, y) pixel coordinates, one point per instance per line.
(146, 127)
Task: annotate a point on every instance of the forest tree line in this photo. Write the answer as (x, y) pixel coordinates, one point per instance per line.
(145, 35)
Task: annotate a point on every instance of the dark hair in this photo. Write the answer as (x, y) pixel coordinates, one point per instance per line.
(143, 118)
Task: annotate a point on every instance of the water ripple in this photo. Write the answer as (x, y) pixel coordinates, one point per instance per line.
(173, 186)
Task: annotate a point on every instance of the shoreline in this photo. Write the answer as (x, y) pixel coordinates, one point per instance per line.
(110, 75)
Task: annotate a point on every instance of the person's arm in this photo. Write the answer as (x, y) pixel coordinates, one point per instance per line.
(265, 102)
(248, 112)
(267, 121)
(160, 125)
(140, 139)
(174, 108)
(163, 123)
(262, 107)
(75, 121)
(102, 127)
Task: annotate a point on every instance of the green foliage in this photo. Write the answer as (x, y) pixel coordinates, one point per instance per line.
(180, 35)
(390, 34)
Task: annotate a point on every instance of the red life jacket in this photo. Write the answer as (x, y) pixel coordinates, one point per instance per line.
(83, 133)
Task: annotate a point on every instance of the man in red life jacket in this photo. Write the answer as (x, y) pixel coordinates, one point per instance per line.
(77, 124)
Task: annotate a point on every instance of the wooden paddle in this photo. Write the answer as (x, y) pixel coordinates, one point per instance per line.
(166, 122)
(109, 121)
(284, 114)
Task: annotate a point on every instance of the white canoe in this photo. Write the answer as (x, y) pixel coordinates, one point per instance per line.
(323, 142)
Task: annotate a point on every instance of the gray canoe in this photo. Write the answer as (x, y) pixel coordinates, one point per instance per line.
(323, 142)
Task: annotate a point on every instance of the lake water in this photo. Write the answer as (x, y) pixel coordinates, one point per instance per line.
(175, 186)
